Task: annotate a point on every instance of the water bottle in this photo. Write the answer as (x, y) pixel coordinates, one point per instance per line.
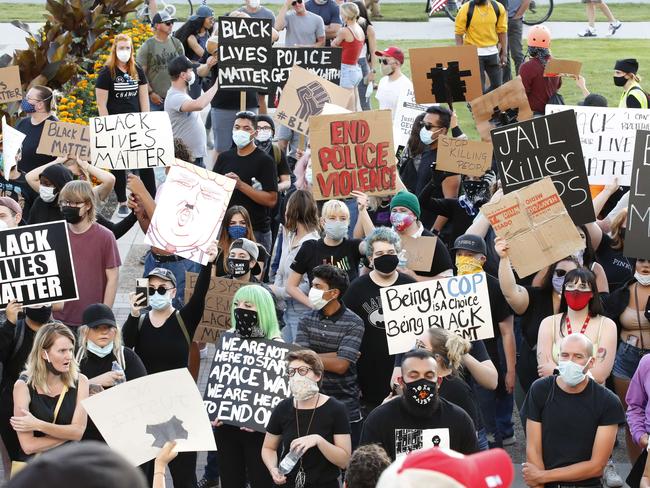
(116, 367)
(369, 90)
(288, 463)
(403, 258)
(256, 184)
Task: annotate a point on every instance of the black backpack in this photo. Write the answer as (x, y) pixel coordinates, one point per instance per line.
(472, 5)
(408, 170)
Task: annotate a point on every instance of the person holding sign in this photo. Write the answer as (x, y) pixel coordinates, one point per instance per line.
(311, 427)
(51, 180)
(37, 105)
(351, 40)
(625, 75)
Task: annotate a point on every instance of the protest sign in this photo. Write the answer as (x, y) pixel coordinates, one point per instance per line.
(607, 137)
(247, 380)
(11, 89)
(419, 252)
(331, 109)
(504, 105)
(65, 139)
(406, 112)
(245, 53)
(36, 265)
(190, 208)
(637, 239)
(545, 146)
(303, 96)
(352, 152)
(460, 304)
(562, 67)
(445, 74)
(218, 301)
(324, 62)
(537, 226)
(136, 418)
(12, 143)
(463, 156)
(131, 141)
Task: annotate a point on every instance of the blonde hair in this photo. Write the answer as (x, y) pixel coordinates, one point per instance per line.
(450, 346)
(111, 62)
(617, 224)
(118, 350)
(334, 206)
(349, 10)
(36, 369)
(80, 191)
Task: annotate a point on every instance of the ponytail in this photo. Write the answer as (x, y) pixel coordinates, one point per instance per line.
(457, 347)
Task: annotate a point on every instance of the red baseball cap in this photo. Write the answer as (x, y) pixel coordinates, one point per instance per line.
(392, 52)
(444, 468)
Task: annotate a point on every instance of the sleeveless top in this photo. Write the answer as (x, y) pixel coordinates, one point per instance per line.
(556, 346)
(42, 406)
(351, 50)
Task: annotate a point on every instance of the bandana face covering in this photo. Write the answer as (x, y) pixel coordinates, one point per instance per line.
(401, 221)
(246, 322)
(468, 265)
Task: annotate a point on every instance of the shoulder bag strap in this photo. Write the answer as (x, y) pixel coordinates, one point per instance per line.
(181, 322)
(59, 403)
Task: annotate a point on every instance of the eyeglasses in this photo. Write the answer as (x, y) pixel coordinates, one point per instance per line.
(65, 203)
(293, 4)
(429, 126)
(161, 290)
(577, 287)
(302, 370)
(560, 272)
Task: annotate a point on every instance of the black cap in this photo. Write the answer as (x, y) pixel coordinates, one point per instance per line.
(629, 65)
(93, 462)
(471, 243)
(98, 314)
(162, 16)
(163, 273)
(179, 65)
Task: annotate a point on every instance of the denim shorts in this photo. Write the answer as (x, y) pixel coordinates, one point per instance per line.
(627, 359)
(351, 75)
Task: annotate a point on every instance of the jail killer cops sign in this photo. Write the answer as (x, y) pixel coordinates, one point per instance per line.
(460, 304)
(36, 265)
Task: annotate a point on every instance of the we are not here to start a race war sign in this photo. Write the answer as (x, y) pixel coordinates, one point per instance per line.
(36, 265)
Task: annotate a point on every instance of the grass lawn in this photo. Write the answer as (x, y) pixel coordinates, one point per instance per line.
(407, 12)
(597, 56)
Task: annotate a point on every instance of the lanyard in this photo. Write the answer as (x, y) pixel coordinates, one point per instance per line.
(582, 330)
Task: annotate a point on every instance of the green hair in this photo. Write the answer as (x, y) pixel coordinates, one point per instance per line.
(263, 301)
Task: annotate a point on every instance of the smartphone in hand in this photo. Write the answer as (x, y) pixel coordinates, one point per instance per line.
(142, 287)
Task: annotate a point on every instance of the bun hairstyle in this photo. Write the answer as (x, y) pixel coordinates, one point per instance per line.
(449, 346)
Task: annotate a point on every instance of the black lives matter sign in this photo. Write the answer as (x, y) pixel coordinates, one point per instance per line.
(36, 265)
(637, 241)
(247, 380)
(545, 146)
(245, 53)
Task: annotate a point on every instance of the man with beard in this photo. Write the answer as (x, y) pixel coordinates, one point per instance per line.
(419, 418)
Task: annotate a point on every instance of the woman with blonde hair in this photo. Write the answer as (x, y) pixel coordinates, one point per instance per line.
(122, 88)
(351, 40)
(48, 395)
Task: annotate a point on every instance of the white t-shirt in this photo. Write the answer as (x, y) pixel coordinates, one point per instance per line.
(388, 91)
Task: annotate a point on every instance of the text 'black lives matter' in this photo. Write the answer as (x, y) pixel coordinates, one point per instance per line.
(36, 265)
(637, 240)
(247, 380)
(245, 53)
(545, 146)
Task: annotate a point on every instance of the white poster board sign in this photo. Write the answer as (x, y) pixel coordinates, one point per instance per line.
(12, 142)
(460, 304)
(407, 110)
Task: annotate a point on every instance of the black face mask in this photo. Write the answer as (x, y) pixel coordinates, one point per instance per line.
(620, 80)
(50, 367)
(238, 267)
(420, 397)
(71, 214)
(39, 315)
(386, 264)
(245, 322)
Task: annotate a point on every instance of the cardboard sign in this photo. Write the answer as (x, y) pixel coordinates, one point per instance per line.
(247, 380)
(36, 265)
(136, 418)
(407, 111)
(537, 226)
(463, 156)
(607, 137)
(245, 53)
(303, 96)
(65, 139)
(445, 74)
(131, 141)
(218, 302)
(460, 304)
(352, 152)
(506, 104)
(12, 143)
(11, 89)
(331, 109)
(545, 146)
(637, 240)
(189, 210)
(324, 62)
(562, 67)
(419, 252)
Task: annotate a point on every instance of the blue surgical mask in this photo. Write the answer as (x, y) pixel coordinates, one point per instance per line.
(572, 373)
(336, 230)
(28, 108)
(237, 231)
(558, 283)
(426, 136)
(160, 302)
(241, 138)
(100, 351)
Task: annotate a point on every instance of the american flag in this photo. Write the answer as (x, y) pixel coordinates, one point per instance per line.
(437, 6)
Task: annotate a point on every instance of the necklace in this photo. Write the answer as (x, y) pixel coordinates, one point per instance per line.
(301, 478)
(582, 330)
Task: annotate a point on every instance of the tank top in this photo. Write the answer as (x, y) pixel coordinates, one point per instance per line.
(556, 346)
(351, 50)
(42, 407)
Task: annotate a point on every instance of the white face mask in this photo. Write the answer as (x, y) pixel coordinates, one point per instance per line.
(47, 193)
(254, 3)
(316, 298)
(124, 55)
(98, 350)
(264, 135)
(644, 280)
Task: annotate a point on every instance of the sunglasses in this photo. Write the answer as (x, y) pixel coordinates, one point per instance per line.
(429, 126)
(384, 61)
(293, 4)
(302, 370)
(560, 272)
(161, 290)
(168, 23)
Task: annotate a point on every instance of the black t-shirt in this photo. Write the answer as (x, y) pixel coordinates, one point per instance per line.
(454, 389)
(375, 366)
(122, 90)
(282, 167)
(499, 310)
(441, 258)
(618, 268)
(569, 421)
(30, 159)
(345, 256)
(330, 419)
(256, 165)
(398, 432)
